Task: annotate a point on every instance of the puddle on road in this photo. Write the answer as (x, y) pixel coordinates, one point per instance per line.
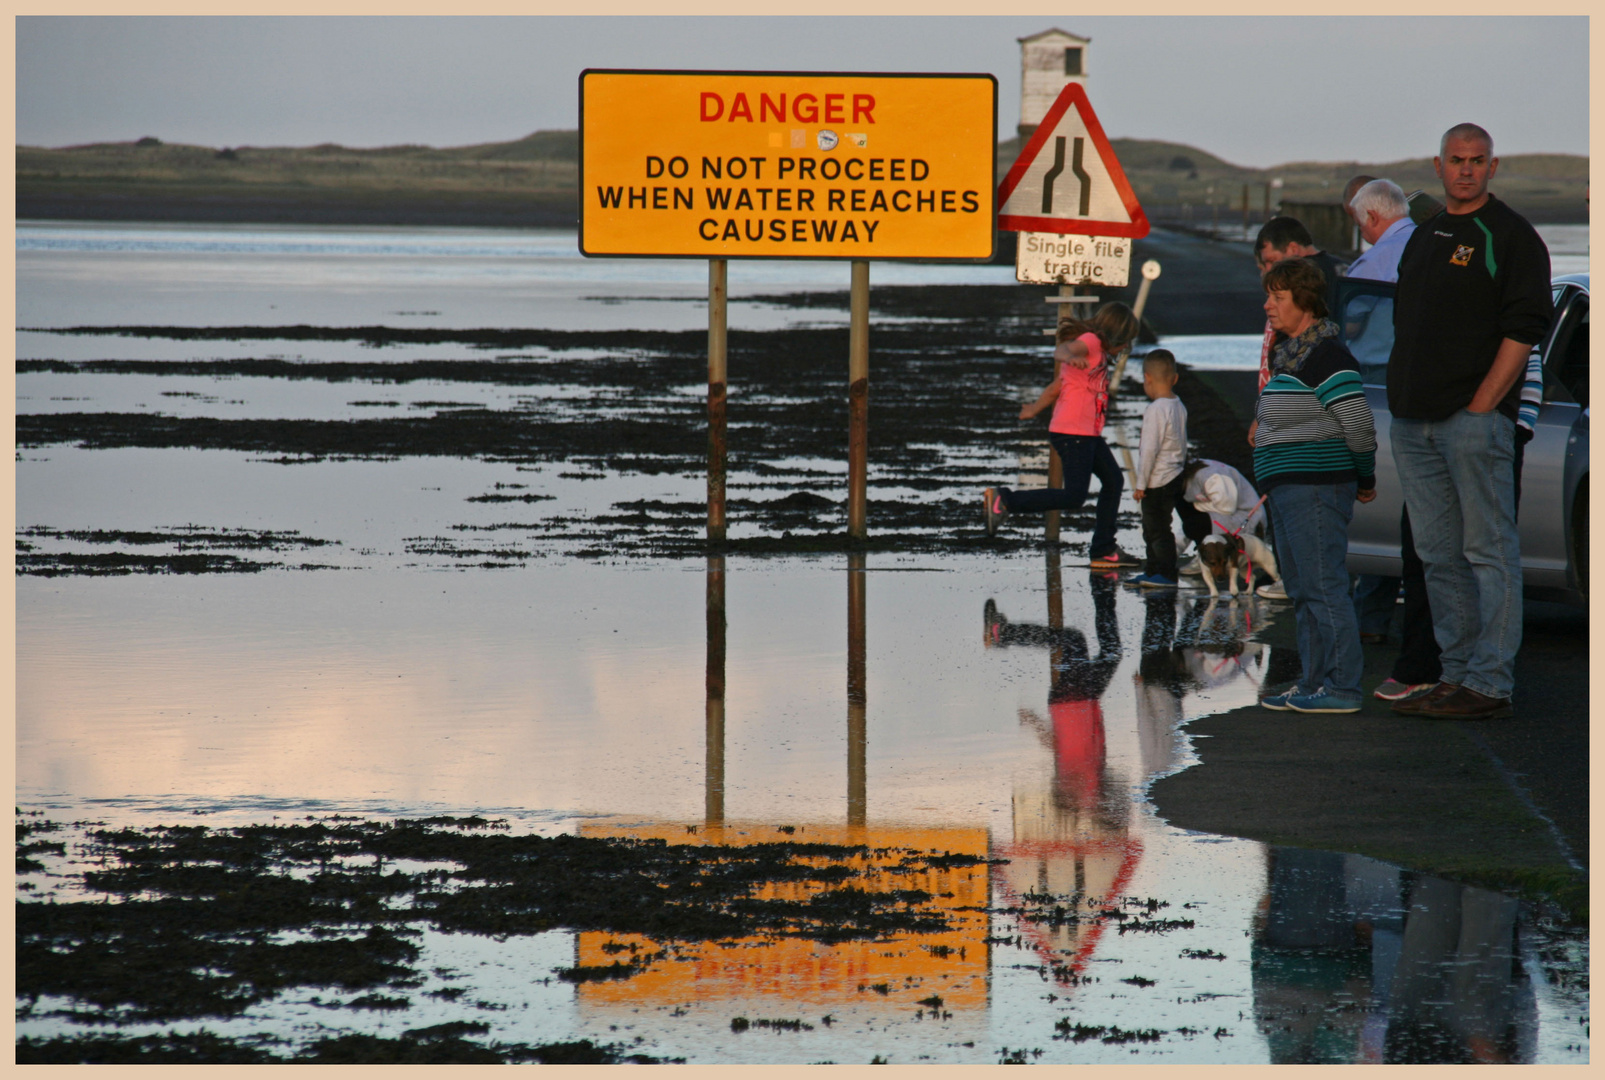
(1003, 713)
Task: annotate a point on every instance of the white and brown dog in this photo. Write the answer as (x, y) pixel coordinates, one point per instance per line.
(1231, 556)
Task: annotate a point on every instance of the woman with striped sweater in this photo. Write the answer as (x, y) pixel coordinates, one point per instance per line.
(1314, 454)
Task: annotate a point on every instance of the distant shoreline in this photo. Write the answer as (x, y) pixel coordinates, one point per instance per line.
(368, 208)
(450, 211)
(533, 183)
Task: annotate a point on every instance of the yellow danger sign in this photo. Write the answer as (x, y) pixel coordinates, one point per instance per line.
(721, 165)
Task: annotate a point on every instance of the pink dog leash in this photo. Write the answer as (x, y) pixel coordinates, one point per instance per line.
(1235, 533)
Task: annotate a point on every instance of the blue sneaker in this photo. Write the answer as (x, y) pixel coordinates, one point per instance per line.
(1153, 581)
(1324, 701)
(1279, 702)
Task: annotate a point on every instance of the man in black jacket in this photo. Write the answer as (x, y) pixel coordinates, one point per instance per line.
(1473, 300)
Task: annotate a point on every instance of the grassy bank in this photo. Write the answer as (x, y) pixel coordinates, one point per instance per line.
(534, 182)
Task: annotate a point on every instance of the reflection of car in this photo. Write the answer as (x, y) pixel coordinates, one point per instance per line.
(1554, 478)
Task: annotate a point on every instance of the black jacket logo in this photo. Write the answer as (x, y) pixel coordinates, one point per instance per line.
(1462, 255)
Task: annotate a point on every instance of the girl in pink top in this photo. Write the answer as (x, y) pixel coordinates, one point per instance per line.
(1079, 395)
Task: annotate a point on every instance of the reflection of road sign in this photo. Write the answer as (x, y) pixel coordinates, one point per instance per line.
(1067, 179)
(723, 165)
(1072, 259)
(950, 962)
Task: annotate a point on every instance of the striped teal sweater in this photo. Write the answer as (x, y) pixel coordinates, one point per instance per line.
(1314, 425)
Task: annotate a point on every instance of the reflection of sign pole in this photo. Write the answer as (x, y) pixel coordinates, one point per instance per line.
(857, 695)
(713, 812)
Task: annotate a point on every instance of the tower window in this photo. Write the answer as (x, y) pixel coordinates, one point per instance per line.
(1072, 61)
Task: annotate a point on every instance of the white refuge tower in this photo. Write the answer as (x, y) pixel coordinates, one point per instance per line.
(1048, 61)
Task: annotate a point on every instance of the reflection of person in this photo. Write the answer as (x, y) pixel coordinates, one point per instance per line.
(1078, 395)
(1075, 707)
(1473, 300)
(1172, 665)
(1434, 963)
(1315, 453)
(1161, 453)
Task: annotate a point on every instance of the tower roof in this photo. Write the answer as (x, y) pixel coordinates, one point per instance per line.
(1054, 32)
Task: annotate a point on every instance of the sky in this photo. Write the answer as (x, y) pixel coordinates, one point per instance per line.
(1257, 91)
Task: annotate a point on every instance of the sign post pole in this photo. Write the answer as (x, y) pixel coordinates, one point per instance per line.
(722, 165)
(1066, 312)
(717, 338)
(858, 404)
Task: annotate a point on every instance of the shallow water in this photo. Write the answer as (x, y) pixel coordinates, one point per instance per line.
(876, 700)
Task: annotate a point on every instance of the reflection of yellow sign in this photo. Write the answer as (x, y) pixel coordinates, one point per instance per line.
(730, 165)
(951, 965)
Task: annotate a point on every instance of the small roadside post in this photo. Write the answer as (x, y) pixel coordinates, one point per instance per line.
(1075, 230)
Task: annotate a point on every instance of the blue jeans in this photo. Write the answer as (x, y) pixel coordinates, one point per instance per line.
(1312, 550)
(1084, 456)
(1458, 476)
(1374, 600)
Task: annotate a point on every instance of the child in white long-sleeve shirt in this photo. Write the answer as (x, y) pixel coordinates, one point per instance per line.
(1161, 456)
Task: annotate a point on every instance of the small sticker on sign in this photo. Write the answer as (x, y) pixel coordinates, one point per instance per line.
(799, 138)
(859, 140)
(827, 139)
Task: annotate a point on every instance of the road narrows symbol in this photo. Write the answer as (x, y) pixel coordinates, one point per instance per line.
(1081, 174)
(1053, 174)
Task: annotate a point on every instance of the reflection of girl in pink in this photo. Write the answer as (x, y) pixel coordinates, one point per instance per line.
(1075, 728)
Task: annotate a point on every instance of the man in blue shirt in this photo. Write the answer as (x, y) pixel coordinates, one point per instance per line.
(1383, 214)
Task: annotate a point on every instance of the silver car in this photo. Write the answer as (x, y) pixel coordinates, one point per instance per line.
(1554, 478)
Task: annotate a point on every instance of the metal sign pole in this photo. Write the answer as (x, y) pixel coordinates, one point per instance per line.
(1067, 311)
(717, 339)
(858, 404)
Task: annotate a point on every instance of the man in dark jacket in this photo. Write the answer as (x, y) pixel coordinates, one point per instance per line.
(1473, 300)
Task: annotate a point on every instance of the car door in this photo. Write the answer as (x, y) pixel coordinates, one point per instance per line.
(1553, 470)
(1365, 314)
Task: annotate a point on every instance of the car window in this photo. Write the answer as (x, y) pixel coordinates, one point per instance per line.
(1366, 317)
(1566, 371)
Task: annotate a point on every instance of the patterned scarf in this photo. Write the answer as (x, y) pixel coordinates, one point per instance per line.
(1289, 353)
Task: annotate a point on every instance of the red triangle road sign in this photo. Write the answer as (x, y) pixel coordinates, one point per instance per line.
(1067, 179)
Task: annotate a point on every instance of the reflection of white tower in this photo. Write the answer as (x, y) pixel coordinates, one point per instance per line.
(1048, 61)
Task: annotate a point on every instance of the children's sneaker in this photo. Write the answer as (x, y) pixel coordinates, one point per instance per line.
(1394, 690)
(1279, 702)
(1113, 560)
(1193, 568)
(1273, 591)
(1324, 701)
(994, 509)
(1153, 581)
(994, 621)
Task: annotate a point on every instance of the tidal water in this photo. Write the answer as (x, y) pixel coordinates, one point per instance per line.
(1012, 707)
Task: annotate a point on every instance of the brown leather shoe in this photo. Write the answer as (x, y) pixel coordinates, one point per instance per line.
(1412, 706)
(1466, 704)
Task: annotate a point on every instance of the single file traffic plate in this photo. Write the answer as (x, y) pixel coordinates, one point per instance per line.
(722, 164)
(1044, 258)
